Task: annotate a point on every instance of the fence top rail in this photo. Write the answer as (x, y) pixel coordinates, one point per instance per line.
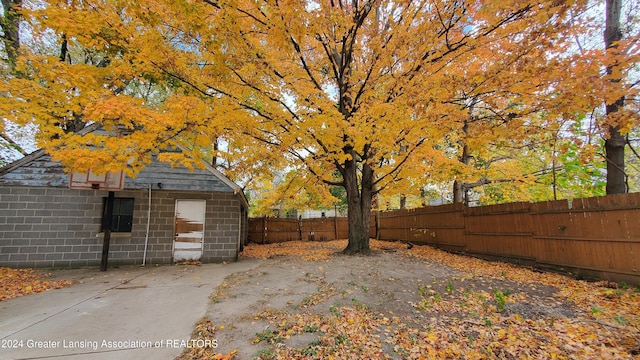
(440, 209)
(516, 207)
(601, 203)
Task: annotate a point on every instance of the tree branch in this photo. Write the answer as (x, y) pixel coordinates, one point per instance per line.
(305, 66)
(396, 169)
(13, 144)
(633, 150)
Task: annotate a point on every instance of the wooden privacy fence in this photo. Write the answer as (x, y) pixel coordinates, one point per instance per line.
(593, 238)
(268, 230)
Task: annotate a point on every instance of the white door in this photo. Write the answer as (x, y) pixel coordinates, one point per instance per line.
(188, 242)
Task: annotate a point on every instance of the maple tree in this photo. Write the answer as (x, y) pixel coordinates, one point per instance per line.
(356, 94)
(556, 161)
(520, 107)
(498, 155)
(502, 96)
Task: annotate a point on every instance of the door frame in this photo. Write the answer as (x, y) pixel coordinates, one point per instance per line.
(175, 233)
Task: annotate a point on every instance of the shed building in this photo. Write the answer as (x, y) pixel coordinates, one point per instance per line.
(166, 214)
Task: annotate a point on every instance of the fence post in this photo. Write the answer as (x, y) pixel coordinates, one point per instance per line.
(264, 228)
(335, 226)
(300, 227)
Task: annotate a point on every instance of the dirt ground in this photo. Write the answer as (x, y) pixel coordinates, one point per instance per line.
(307, 301)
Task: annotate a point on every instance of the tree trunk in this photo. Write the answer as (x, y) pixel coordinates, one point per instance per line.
(459, 189)
(403, 202)
(458, 192)
(359, 199)
(615, 143)
(10, 25)
(614, 151)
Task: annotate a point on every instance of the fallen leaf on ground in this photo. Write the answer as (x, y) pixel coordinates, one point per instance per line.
(491, 310)
(205, 343)
(18, 282)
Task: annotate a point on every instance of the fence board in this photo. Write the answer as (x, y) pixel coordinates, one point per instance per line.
(321, 229)
(440, 226)
(267, 230)
(499, 231)
(273, 230)
(601, 235)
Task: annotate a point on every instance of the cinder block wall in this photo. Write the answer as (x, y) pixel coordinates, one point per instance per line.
(60, 227)
(223, 223)
(45, 227)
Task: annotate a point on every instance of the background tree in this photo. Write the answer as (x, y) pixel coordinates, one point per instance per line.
(615, 142)
(10, 27)
(617, 59)
(77, 70)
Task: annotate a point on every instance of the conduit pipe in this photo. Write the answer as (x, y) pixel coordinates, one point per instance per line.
(146, 238)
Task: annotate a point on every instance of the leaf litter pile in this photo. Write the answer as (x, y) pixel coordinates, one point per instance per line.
(306, 301)
(18, 282)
